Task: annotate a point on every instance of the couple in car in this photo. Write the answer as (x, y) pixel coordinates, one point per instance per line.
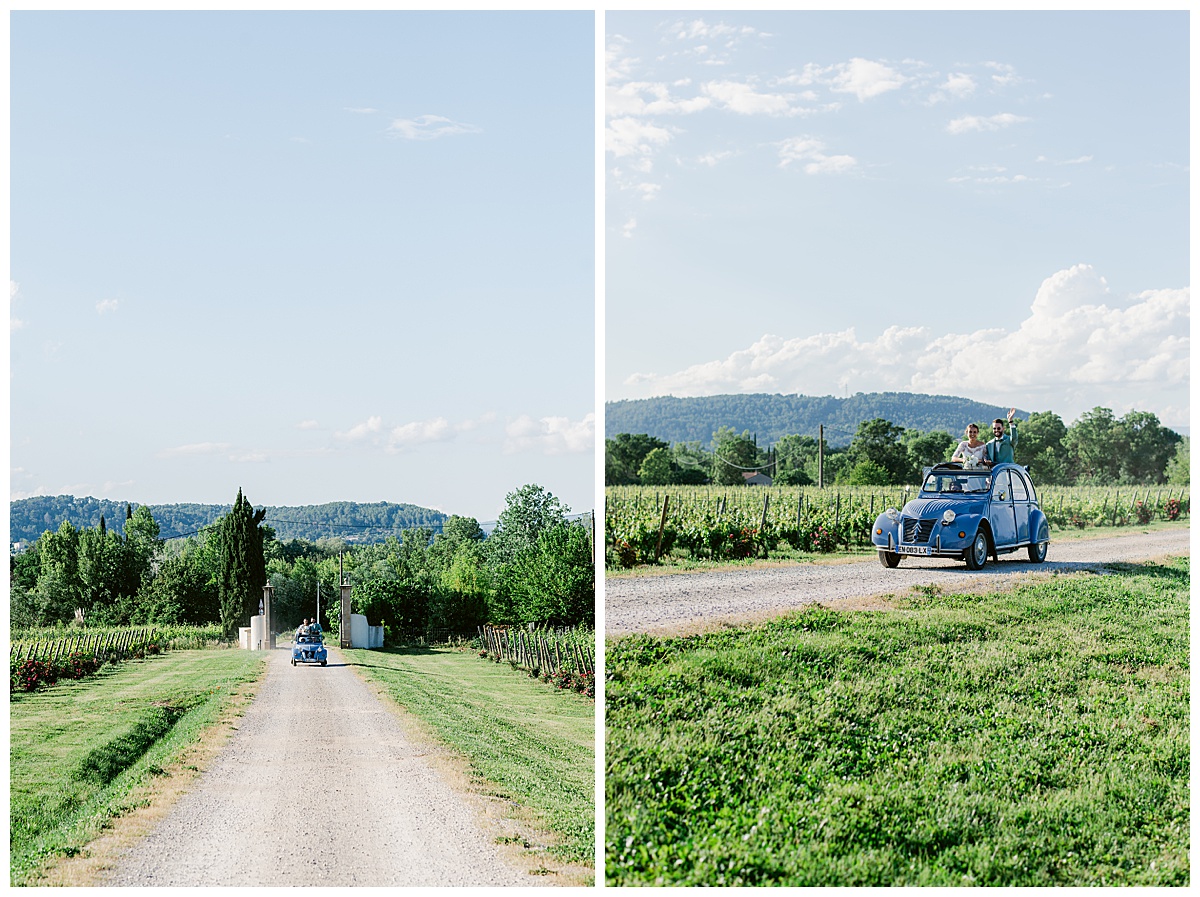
(971, 452)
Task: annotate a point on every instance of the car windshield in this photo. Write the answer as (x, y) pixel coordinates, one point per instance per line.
(957, 482)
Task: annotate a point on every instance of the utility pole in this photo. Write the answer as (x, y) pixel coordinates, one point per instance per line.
(821, 457)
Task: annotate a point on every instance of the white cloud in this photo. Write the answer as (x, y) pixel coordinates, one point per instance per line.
(713, 159)
(429, 127)
(371, 426)
(106, 305)
(649, 98)
(1005, 76)
(628, 228)
(420, 432)
(745, 99)
(196, 448)
(630, 136)
(648, 191)
(957, 86)
(551, 435)
(866, 79)
(811, 153)
(968, 123)
(307, 425)
(1079, 346)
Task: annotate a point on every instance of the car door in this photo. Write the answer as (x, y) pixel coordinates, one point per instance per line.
(1003, 517)
(1020, 494)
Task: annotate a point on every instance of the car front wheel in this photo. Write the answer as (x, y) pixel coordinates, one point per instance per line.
(1037, 552)
(889, 558)
(978, 552)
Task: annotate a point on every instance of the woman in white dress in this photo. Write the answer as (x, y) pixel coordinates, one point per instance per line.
(970, 451)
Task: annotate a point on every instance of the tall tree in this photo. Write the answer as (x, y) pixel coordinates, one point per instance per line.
(1149, 447)
(624, 454)
(1042, 448)
(1093, 443)
(657, 468)
(927, 449)
(242, 570)
(878, 441)
(1178, 471)
(733, 455)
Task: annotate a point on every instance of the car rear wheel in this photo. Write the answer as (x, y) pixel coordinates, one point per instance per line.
(293, 661)
(1037, 552)
(323, 663)
(977, 554)
(889, 558)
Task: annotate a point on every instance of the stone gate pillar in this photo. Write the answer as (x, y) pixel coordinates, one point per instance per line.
(268, 631)
(344, 623)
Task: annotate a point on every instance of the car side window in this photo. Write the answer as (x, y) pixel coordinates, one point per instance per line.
(1018, 487)
(1029, 484)
(1000, 492)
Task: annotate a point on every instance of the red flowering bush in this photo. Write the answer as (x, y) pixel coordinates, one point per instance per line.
(1174, 509)
(1143, 512)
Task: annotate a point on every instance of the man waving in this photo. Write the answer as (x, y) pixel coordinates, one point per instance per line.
(1000, 449)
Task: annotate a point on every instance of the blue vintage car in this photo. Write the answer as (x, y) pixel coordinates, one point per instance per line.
(309, 648)
(968, 514)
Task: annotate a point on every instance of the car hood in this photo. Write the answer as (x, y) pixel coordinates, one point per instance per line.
(935, 507)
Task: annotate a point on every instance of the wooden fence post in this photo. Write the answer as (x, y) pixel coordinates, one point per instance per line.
(661, 526)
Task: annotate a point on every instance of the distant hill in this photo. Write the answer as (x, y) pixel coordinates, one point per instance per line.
(354, 522)
(771, 417)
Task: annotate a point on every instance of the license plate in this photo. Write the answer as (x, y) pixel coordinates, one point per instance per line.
(914, 549)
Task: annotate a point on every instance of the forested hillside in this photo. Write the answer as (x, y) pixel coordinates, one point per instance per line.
(771, 417)
(351, 521)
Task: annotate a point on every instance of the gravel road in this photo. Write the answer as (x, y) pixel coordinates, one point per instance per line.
(319, 785)
(686, 603)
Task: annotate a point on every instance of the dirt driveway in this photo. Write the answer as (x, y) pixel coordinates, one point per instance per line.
(689, 603)
(319, 785)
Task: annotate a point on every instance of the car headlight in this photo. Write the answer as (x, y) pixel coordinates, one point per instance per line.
(892, 514)
(948, 517)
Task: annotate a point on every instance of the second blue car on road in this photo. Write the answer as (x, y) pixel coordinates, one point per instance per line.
(967, 514)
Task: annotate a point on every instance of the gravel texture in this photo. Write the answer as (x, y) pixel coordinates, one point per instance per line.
(319, 785)
(686, 603)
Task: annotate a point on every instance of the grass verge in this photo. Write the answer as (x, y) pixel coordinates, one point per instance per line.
(523, 740)
(80, 753)
(1035, 737)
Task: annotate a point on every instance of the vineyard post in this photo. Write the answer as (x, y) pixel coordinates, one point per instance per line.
(762, 526)
(821, 456)
(661, 526)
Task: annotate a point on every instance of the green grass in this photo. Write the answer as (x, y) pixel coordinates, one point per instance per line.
(1030, 738)
(79, 749)
(526, 741)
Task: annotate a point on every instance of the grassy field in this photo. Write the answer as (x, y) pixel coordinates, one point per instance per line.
(79, 751)
(523, 739)
(1030, 738)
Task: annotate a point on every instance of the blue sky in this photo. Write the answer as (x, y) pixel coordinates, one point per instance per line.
(318, 256)
(991, 205)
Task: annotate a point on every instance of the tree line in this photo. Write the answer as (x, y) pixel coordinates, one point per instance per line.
(535, 567)
(358, 522)
(1097, 449)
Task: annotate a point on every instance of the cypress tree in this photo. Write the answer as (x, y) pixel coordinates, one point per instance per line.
(242, 572)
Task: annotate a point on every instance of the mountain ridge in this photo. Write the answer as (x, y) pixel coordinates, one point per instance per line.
(352, 521)
(771, 416)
